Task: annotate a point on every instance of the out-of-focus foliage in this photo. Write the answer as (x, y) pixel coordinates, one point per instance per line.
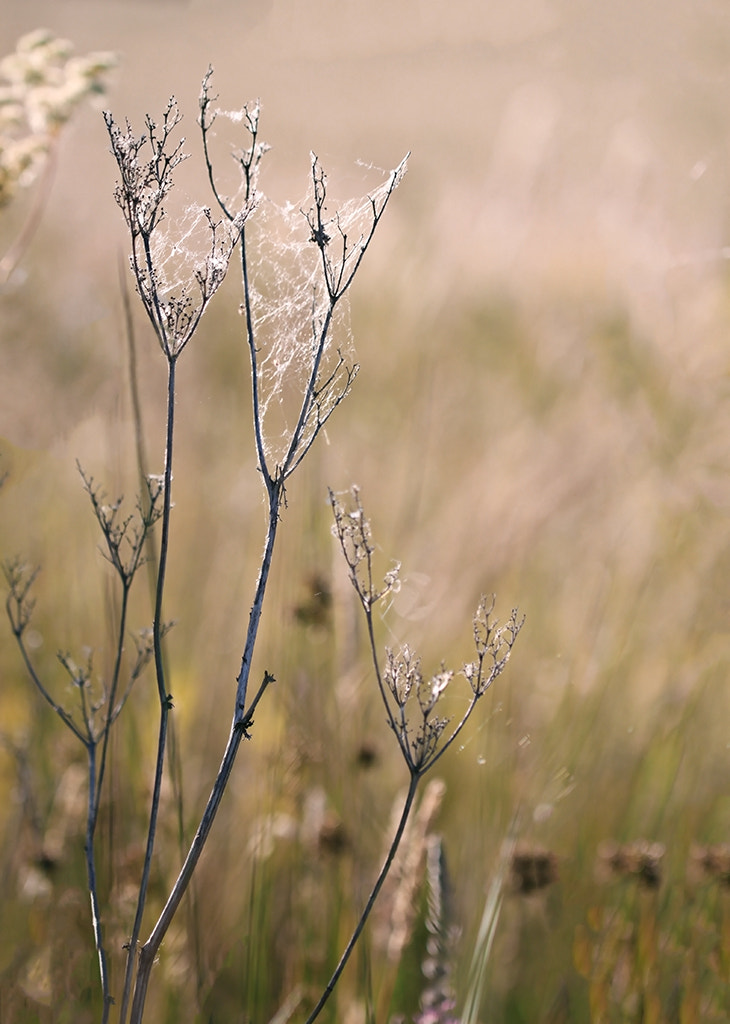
(41, 84)
(556, 432)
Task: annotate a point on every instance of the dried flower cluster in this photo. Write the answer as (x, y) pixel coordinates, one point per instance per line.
(532, 869)
(710, 863)
(146, 164)
(411, 698)
(41, 84)
(125, 535)
(352, 529)
(640, 860)
(178, 263)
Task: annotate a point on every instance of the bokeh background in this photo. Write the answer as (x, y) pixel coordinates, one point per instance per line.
(542, 326)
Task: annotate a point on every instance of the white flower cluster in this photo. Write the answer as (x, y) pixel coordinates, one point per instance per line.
(40, 86)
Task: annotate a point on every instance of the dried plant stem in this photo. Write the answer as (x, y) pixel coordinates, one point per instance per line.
(164, 697)
(242, 716)
(146, 164)
(148, 952)
(258, 426)
(98, 779)
(151, 560)
(242, 720)
(409, 699)
(93, 808)
(139, 442)
(405, 814)
(95, 739)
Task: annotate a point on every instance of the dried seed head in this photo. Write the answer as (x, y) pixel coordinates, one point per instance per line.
(641, 860)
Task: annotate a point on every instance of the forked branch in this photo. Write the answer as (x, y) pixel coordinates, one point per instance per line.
(321, 393)
(409, 698)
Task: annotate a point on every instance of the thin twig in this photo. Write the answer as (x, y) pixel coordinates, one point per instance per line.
(330, 986)
(165, 699)
(242, 720)
(91, 819)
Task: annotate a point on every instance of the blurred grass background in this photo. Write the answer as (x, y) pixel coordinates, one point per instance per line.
(541, 412)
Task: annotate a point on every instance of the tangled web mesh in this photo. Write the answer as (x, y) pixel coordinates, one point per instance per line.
(301, 257)
(290, 304)
(181, 246)
(188, 261)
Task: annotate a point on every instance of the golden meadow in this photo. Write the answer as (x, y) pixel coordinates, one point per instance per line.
(540, 413)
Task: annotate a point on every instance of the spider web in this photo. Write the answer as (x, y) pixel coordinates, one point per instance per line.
(290, 303)
(300, 260)
(183, 246)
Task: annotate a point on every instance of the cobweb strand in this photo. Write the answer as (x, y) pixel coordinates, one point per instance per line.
(301, 267)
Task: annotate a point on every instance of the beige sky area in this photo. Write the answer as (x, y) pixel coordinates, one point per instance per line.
(544, 133)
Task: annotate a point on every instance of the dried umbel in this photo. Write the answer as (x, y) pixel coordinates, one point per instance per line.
(294, 324)
(640, 860)
(710, 864)
(532, 869)
(411, 698)
(178, 266)
(177, 271)
(97, 701)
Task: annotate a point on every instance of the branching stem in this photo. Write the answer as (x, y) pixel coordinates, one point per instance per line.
(146, 164)
(242, 720)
